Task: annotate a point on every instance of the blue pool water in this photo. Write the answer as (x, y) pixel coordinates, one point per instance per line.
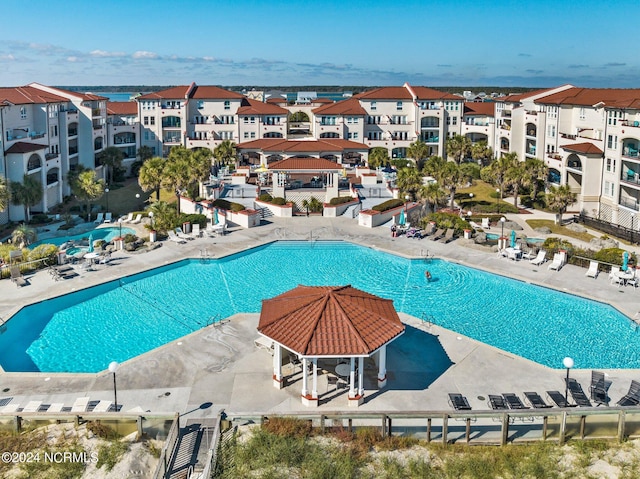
(105, 233)
(84, 331)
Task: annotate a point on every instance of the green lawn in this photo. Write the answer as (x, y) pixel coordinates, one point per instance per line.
(560, 230)
(483, 194)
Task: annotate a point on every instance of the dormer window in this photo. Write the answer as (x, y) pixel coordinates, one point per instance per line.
(23, 113)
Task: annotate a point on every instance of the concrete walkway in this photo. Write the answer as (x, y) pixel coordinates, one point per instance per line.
(219, 367)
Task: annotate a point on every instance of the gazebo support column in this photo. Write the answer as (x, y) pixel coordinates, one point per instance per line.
(356, 398)
(309, 399)
(278, 380)
(382, 367)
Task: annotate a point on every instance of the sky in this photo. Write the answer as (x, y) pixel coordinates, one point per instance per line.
(534, 43)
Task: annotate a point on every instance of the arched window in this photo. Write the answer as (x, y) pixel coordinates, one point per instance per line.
(34, 162)
(331, 134)
(97, 143)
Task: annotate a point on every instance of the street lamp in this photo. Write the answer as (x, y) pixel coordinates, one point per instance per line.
(568, 363)
(633, 217)
(106, 190)
(406, 197)
(497, 200)
(502, 220)
(151, 217)
(113, 367)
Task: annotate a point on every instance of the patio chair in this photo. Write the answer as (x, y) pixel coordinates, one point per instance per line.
(513, 401)
(137, 219)
(459, 402)
(102, 406)
(80, 404)
(615, 271)
(448, 237)
(181, 234)
(578, 395)
(174, 237)
(437, 235)
(558, 261)
(32, 406)
(485, 224)
(126, 219)
(592, 272)
(540, 258)
(558, 398)
(599, 387)
(632, 398)
(535, 400)
(195, 231)
(108, 217)
(16, 276)
(99, 218)
(497, 403)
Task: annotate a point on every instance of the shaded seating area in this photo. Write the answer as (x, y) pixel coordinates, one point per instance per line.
(459, 402)
(578, 395)
(632, 398)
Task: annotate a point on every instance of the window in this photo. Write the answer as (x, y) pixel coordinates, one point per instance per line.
(252, 120)
(227, 105)
(246, 135)
(374, 105)
(552, 112)
(253, 134)
(23, 113)
(145, 120)
(328, 120)
(355, 135)
(583, 113)
(609, 164)
(200, 104)
(146, 134)
(454, 120)
(153, 120)
(551, 131)
(246, 120)
(399, 106)
(374, 135)
(613, 117)
(612, 141)
(54, 130)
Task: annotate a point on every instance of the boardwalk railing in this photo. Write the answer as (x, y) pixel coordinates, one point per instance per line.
(482, 427)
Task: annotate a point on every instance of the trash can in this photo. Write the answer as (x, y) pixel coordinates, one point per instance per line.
(467, 234)
(186, 227)
(118, 243)
(152, 236)
(62, 257)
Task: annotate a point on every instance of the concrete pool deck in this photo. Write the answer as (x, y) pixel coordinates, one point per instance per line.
(220, 364)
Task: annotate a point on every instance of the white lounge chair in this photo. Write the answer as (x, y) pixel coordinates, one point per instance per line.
(540, 258)
(485, 224)
(108, 217)
(615, 271)
(558, 261)
(56, 407)
(102, 406)
(174, 237)
(80, 404)
(138, 219)
(32, 406)
(195, 230)
(99, 218)
(182, 234)
(592, 272)
(127, 219)
(9, 408)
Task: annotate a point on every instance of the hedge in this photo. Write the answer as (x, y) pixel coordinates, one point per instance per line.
(387, 205)
(228, 205)
(340, 200)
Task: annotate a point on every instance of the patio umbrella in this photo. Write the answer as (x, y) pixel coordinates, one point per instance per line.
(401, 220)
(262, 169)
(90, 243)
(215, 216)
(513, 239)
(625, 260)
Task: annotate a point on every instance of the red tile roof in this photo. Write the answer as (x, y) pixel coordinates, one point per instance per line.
(174, 93)
(404, 93)
(586, 148)
(24, 147)
(346, 107)
(610, 97)
(485, 108)
(293, 146)
(330, 321)
(207, 92)
(517, 98)
(125, 108)
(255, 107)
(25, 95)
(311, 164)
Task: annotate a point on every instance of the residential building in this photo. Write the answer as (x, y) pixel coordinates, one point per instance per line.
(123, 130)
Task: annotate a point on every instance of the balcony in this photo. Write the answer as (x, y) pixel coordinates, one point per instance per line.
(575, 166)
(72, 132)
(630, 123)
(630, 203)
(629, 175)
(73, 150)
(96, 112)
(51, 156)
(630, 150)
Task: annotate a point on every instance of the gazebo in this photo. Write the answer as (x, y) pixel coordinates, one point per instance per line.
(330, 322)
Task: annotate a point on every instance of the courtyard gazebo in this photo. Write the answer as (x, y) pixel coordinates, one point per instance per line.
(334, 323)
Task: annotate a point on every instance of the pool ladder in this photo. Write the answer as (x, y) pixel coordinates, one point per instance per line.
(427, 319)
(426, 255)
(204, 255)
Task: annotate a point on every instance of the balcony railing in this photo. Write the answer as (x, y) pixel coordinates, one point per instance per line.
(634, 123)
(73, 132)
(124, 140)
(50, 156)
(574, 166)
(73, 151)
(630, 203)
(95, 112)
(630, 176)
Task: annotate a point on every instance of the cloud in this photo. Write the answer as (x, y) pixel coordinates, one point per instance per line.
(614, 64)
(525, 55)
(73, 59)
(578, 66)
(105, 54)
(7, 58)
(141, 54)
(444, 66)
(534, 72)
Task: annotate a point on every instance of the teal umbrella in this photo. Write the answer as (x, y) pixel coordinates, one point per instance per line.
(401, 220)
(215, 216)
(625, 261)
(91, 243)
(513, 239)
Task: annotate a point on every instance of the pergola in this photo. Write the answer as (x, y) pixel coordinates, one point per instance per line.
(330, 322)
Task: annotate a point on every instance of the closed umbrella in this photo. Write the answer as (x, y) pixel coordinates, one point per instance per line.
(215, 216)
(625, 261)
(513, 239)
(401, 220)
(90, 243)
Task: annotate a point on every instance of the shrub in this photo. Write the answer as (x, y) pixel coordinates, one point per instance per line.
(102, 431)
(613, 256)
(266, 197)
(491, 208)
(43, 251)
(278, 201)
(340, 200)
(40, 218)
(447, 220)
(130, 238)
(554, 244)
(194, 218)
(110, 454)
(387, 205)
(288, 427)
(228, 205)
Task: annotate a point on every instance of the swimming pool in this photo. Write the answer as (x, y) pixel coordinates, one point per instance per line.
(106, 233)
(85, 330)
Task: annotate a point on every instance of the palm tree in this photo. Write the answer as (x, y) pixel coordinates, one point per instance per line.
(517, 177)
(433, 195)
(498, 170)
(200, 168)
(537, 171)
(559, 199)
(313, 204)
(458, 147)
(165, 216)
(481, 152)
(225, 152)
(86, 186)
(144, 153)
(419, 151)
(451, 177)
(433, 165)
(5, 194)
(111, 158)
(177, 175)
(28, 193)
(378, 156)
(23, 236)
(409, 181)
(150, 176)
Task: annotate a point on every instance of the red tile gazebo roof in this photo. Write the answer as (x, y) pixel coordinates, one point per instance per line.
(330, 321)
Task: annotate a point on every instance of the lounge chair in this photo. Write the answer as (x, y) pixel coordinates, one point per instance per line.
(592, 272)
(56, 407)
(632, 398)
(105, 259)
(497, 403)
(174, 237)
(578, 395)
(107, 218)
(10, 408)
(182, 234)
(16, 276)
(448, 236)
(558, 261)
(540, 258)
(513, 401)
(195, 231)
(102, 406)
(558, 398)
(485, 224)
(5, 401)
(599, 388)
(32, 406)
(428, 231)
(459, 402)
(535, 400)
(614, 272)
(126, 219)
(99, 218)
(138, 219)
(80, 404)
(437, 235)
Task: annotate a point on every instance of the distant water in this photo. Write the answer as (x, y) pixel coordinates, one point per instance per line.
(116, 96)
